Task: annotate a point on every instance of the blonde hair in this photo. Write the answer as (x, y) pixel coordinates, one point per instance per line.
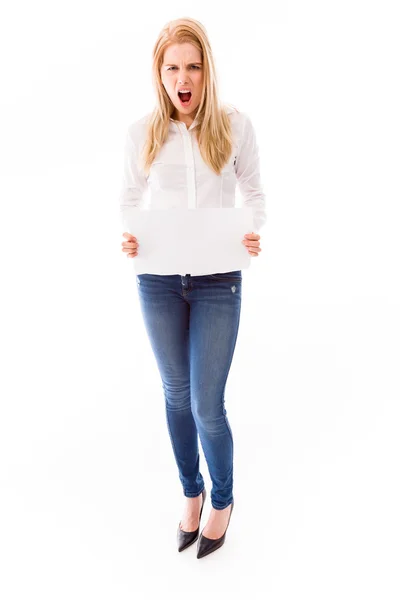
(213, 129)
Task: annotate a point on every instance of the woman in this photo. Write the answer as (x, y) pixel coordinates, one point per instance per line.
(192, 149)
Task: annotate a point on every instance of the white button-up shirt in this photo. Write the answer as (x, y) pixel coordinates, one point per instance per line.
(180, 178)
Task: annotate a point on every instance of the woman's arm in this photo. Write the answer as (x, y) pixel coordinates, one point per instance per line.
(134, 181)
(247, 169)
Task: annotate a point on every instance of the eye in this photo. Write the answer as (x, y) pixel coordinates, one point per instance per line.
(195, 66)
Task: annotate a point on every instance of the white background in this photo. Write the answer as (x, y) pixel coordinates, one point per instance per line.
(90, 498)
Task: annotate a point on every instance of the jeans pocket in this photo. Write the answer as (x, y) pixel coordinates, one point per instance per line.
(231, 276)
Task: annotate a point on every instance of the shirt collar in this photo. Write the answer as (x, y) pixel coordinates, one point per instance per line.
(178, 122)
(229, 111)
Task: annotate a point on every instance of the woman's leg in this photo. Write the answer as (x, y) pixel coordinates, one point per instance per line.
(166, 316)
(215, 304)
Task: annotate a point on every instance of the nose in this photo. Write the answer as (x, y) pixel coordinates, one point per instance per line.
(182, 76)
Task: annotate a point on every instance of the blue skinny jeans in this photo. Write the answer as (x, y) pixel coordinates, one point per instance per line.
(192, 323)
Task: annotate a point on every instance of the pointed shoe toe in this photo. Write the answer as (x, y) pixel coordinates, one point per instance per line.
(207, 545)
(187, 538)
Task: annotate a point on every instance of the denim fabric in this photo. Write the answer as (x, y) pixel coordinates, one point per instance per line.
(192, 323)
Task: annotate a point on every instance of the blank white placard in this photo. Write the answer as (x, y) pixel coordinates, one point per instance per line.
(190, 241)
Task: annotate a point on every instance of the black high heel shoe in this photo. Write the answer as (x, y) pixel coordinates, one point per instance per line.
(187, 538)
(207, 545)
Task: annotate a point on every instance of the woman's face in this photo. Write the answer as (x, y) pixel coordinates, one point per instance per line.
(182, 69)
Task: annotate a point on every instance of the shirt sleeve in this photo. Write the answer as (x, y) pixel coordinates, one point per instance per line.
(134, 181)
(248, 173)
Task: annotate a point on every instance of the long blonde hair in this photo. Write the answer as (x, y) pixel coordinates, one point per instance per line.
(213, 130)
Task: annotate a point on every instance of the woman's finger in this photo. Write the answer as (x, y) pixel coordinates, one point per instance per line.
(249, 243)
(129, 236)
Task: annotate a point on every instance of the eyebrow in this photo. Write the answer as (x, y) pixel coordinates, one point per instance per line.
(172, 65)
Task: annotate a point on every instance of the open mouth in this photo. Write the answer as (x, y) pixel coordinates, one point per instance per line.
(185, 98)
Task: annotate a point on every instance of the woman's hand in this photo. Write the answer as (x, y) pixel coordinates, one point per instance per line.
(252, 243)
(131, 245)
